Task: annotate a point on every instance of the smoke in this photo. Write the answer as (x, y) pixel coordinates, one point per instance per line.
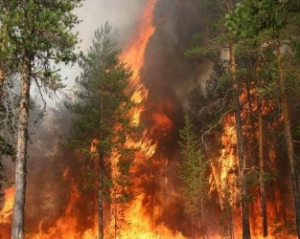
(168, 71)
(168, 75)
(122, 15)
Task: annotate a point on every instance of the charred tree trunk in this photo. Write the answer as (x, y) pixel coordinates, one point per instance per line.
(251, 113)
(21, 154)
(1, 86)
(1, 166)
(227, 211)
(240, 146)
(100, 196)
(115, 215)
(101, 177)
(261, 175)
(202, 196)
(288, 136)
(262, 185)
(203, 227)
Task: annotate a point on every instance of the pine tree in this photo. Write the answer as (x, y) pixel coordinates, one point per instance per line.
(193, 174)
(102, 108)
(40, 34)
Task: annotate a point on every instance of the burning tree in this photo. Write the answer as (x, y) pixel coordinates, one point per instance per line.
(102, 122)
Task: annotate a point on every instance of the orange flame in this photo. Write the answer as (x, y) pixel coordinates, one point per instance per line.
(138, 224)
(68, 224)
(134, 52)
(7, 209)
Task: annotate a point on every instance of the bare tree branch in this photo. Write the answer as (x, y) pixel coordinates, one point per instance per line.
(212, 127)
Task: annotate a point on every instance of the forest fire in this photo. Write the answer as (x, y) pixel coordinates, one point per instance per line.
(157, 210)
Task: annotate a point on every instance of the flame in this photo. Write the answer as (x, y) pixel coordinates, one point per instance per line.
(68, 225)
(134, 52)
(142, 227)
(6, 213)
(64, 226)
(138, 223)
(7, 209)
(133, 55)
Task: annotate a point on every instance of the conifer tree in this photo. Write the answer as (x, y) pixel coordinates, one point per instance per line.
(40, 34)
(102, 119)
(193, 174)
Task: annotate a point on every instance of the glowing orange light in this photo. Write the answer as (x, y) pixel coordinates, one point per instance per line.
(7, 209)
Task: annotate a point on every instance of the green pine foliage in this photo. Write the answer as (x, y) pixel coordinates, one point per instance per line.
(7, 97)
(101, 107)
(43, 30)
(250, 17)
(193, 172)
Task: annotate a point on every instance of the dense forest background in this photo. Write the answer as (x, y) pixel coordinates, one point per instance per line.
(182, 123)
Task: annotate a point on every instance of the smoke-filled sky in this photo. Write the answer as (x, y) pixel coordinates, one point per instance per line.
(120, 14)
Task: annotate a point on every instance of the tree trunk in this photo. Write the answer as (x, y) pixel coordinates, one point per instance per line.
(251, 118)
(240, 140)
(100, 196)
(1, 85)
(202, 197)
(21, 154)
(288, 136)
(240, 146)
(262, 185)
(261, 180)
(202, 216)
(3, 46)
(115, 214)
(101, 178)
(227, 211)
